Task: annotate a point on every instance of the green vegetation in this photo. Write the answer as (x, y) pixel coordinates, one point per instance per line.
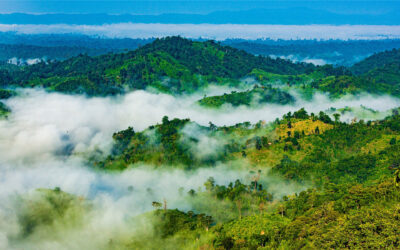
(5, 93)
(47, 209)
(349, 216)
(381, 68)
(167, 143)
(253, 97)
(309, 181)
(354, 201)
(376, 61)
(171, 229)
(346, 177)
(171, 64)
(5, 77)
(176, 65)
(4, 110)
(340, 85)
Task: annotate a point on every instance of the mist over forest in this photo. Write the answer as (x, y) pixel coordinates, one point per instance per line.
(200, 135)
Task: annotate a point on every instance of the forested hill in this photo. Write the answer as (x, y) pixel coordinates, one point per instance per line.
(177, 65)
(211, 58)
(171, 64)
(382, 68)
(376, 61)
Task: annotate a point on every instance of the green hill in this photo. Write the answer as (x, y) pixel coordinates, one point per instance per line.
(381, 68)
(171, 64)
(377, 60)
(352, 200)
(174, 142)
(176, 65)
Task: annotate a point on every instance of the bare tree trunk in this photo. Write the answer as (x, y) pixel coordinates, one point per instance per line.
(239, 206)
(165, 204)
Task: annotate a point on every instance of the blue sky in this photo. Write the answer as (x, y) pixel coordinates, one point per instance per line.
(196, 6)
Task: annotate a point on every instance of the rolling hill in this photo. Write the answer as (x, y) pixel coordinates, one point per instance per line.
(172, 64)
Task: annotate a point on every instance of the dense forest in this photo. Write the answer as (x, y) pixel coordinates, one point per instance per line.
(72, 40)
(170, 64)
(20, 54)
(351, 172)
(254, 97)
(352, 201)
(176, 65)
(144, 180)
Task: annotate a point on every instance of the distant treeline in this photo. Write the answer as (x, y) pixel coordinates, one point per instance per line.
(332, 51)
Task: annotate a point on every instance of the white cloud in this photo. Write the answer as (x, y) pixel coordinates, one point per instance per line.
(216, 31)
(43, 124)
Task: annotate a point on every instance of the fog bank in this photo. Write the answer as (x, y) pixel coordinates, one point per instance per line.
(44, 142)
(75, 124)
(216, 31)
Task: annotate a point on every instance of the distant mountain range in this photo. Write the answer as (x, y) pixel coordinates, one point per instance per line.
(288, 16)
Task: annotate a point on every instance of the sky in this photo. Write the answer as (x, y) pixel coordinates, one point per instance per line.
(155, 18)
(152, 7)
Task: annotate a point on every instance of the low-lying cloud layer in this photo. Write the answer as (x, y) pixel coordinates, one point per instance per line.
(43, 124)
(45, 139)
(216, 31)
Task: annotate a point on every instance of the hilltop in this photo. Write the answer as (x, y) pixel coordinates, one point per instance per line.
(171, 64)
(177, 65)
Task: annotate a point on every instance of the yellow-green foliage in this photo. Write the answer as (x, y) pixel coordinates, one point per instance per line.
(378, 144)
(268, 77)
(272, 155)
(169, 229)
(252, 229)
(308, 126)
(45, 209)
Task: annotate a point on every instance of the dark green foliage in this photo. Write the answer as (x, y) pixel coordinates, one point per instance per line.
(324, 117)
(235, 191)
(376, 61)
(166, 144)
(211, 58)
(22, 51)
(383, 69)
(300, 114)
(178, 65)
(388, 74)
(171, 64)
(5, 93)
(256, 96)
(340, 85)
(340, 52)
(5, 78)
(4, 110)
(170, 222)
